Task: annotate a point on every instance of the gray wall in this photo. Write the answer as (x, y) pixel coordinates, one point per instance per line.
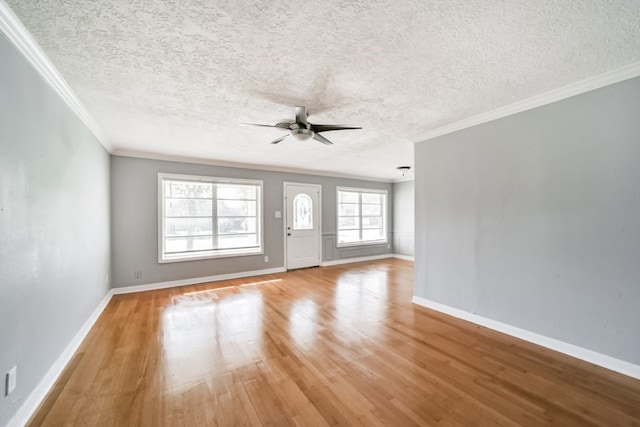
(54, 225)
(403, 218)
(134, 210)
(534, 220)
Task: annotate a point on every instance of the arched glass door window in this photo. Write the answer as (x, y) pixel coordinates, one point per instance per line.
(302, 212)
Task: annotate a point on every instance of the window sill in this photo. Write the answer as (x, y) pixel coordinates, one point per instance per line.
(209, 255)
(354, 244)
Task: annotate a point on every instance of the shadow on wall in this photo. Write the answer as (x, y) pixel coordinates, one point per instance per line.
(403, 218)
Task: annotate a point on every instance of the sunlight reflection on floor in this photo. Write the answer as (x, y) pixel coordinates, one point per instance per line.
(206, 334)
(303, 323)
(361, 304)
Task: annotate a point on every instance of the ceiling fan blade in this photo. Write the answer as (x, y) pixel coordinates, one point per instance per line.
(327, 128)
(282, 138)
(322, 139)
(284, 125)
(301, 115)
(264, 126)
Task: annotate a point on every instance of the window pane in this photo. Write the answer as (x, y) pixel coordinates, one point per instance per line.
(184, 244)
(188, 207)
(348, 222)
(240, 241)
(372, 198)
(236, 208)
(302, 212)
(374, 234)
(371, 210)
(371, 222)
(236, 225)
(207, 217)
(361, 216)
(193, 190)
(348, 197)
(348, 209)
(234, 191)
(348, 236)
(188, 226)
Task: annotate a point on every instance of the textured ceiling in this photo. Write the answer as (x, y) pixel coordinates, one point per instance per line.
(177, 78)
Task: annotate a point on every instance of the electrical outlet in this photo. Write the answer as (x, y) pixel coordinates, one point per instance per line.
(11, 380)
(137, 274)
(266, 259)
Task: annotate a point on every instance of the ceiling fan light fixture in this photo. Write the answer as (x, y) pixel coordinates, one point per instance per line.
(403, 170)
(302, 134)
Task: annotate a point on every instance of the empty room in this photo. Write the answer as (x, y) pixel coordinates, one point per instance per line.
(319, 213)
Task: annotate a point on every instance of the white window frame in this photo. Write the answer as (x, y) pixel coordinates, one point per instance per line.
(225, 253)
(385, 215)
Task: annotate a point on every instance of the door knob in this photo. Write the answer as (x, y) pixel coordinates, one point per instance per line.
(288, 234)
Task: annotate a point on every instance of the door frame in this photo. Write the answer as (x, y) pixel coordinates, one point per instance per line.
(285, 214)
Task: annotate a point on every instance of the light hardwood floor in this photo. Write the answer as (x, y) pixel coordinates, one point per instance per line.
(336, 345)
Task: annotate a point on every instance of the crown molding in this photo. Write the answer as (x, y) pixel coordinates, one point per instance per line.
(615, 76)
(405, 179)
(24, 42)
(238, 165)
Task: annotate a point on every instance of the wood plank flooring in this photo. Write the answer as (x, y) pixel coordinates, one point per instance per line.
(336, 345)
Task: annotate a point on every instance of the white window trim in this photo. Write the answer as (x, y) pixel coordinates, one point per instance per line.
(228, 253)
(384, 217)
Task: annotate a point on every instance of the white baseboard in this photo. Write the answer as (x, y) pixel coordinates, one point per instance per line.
(194, 281)
(45, 385)
(617, 365)
(404, 257)
(357, 259)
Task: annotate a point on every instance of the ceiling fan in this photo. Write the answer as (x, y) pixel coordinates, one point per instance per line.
(302, 129)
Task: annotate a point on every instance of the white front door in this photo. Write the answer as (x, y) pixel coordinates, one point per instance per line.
(302, 224)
